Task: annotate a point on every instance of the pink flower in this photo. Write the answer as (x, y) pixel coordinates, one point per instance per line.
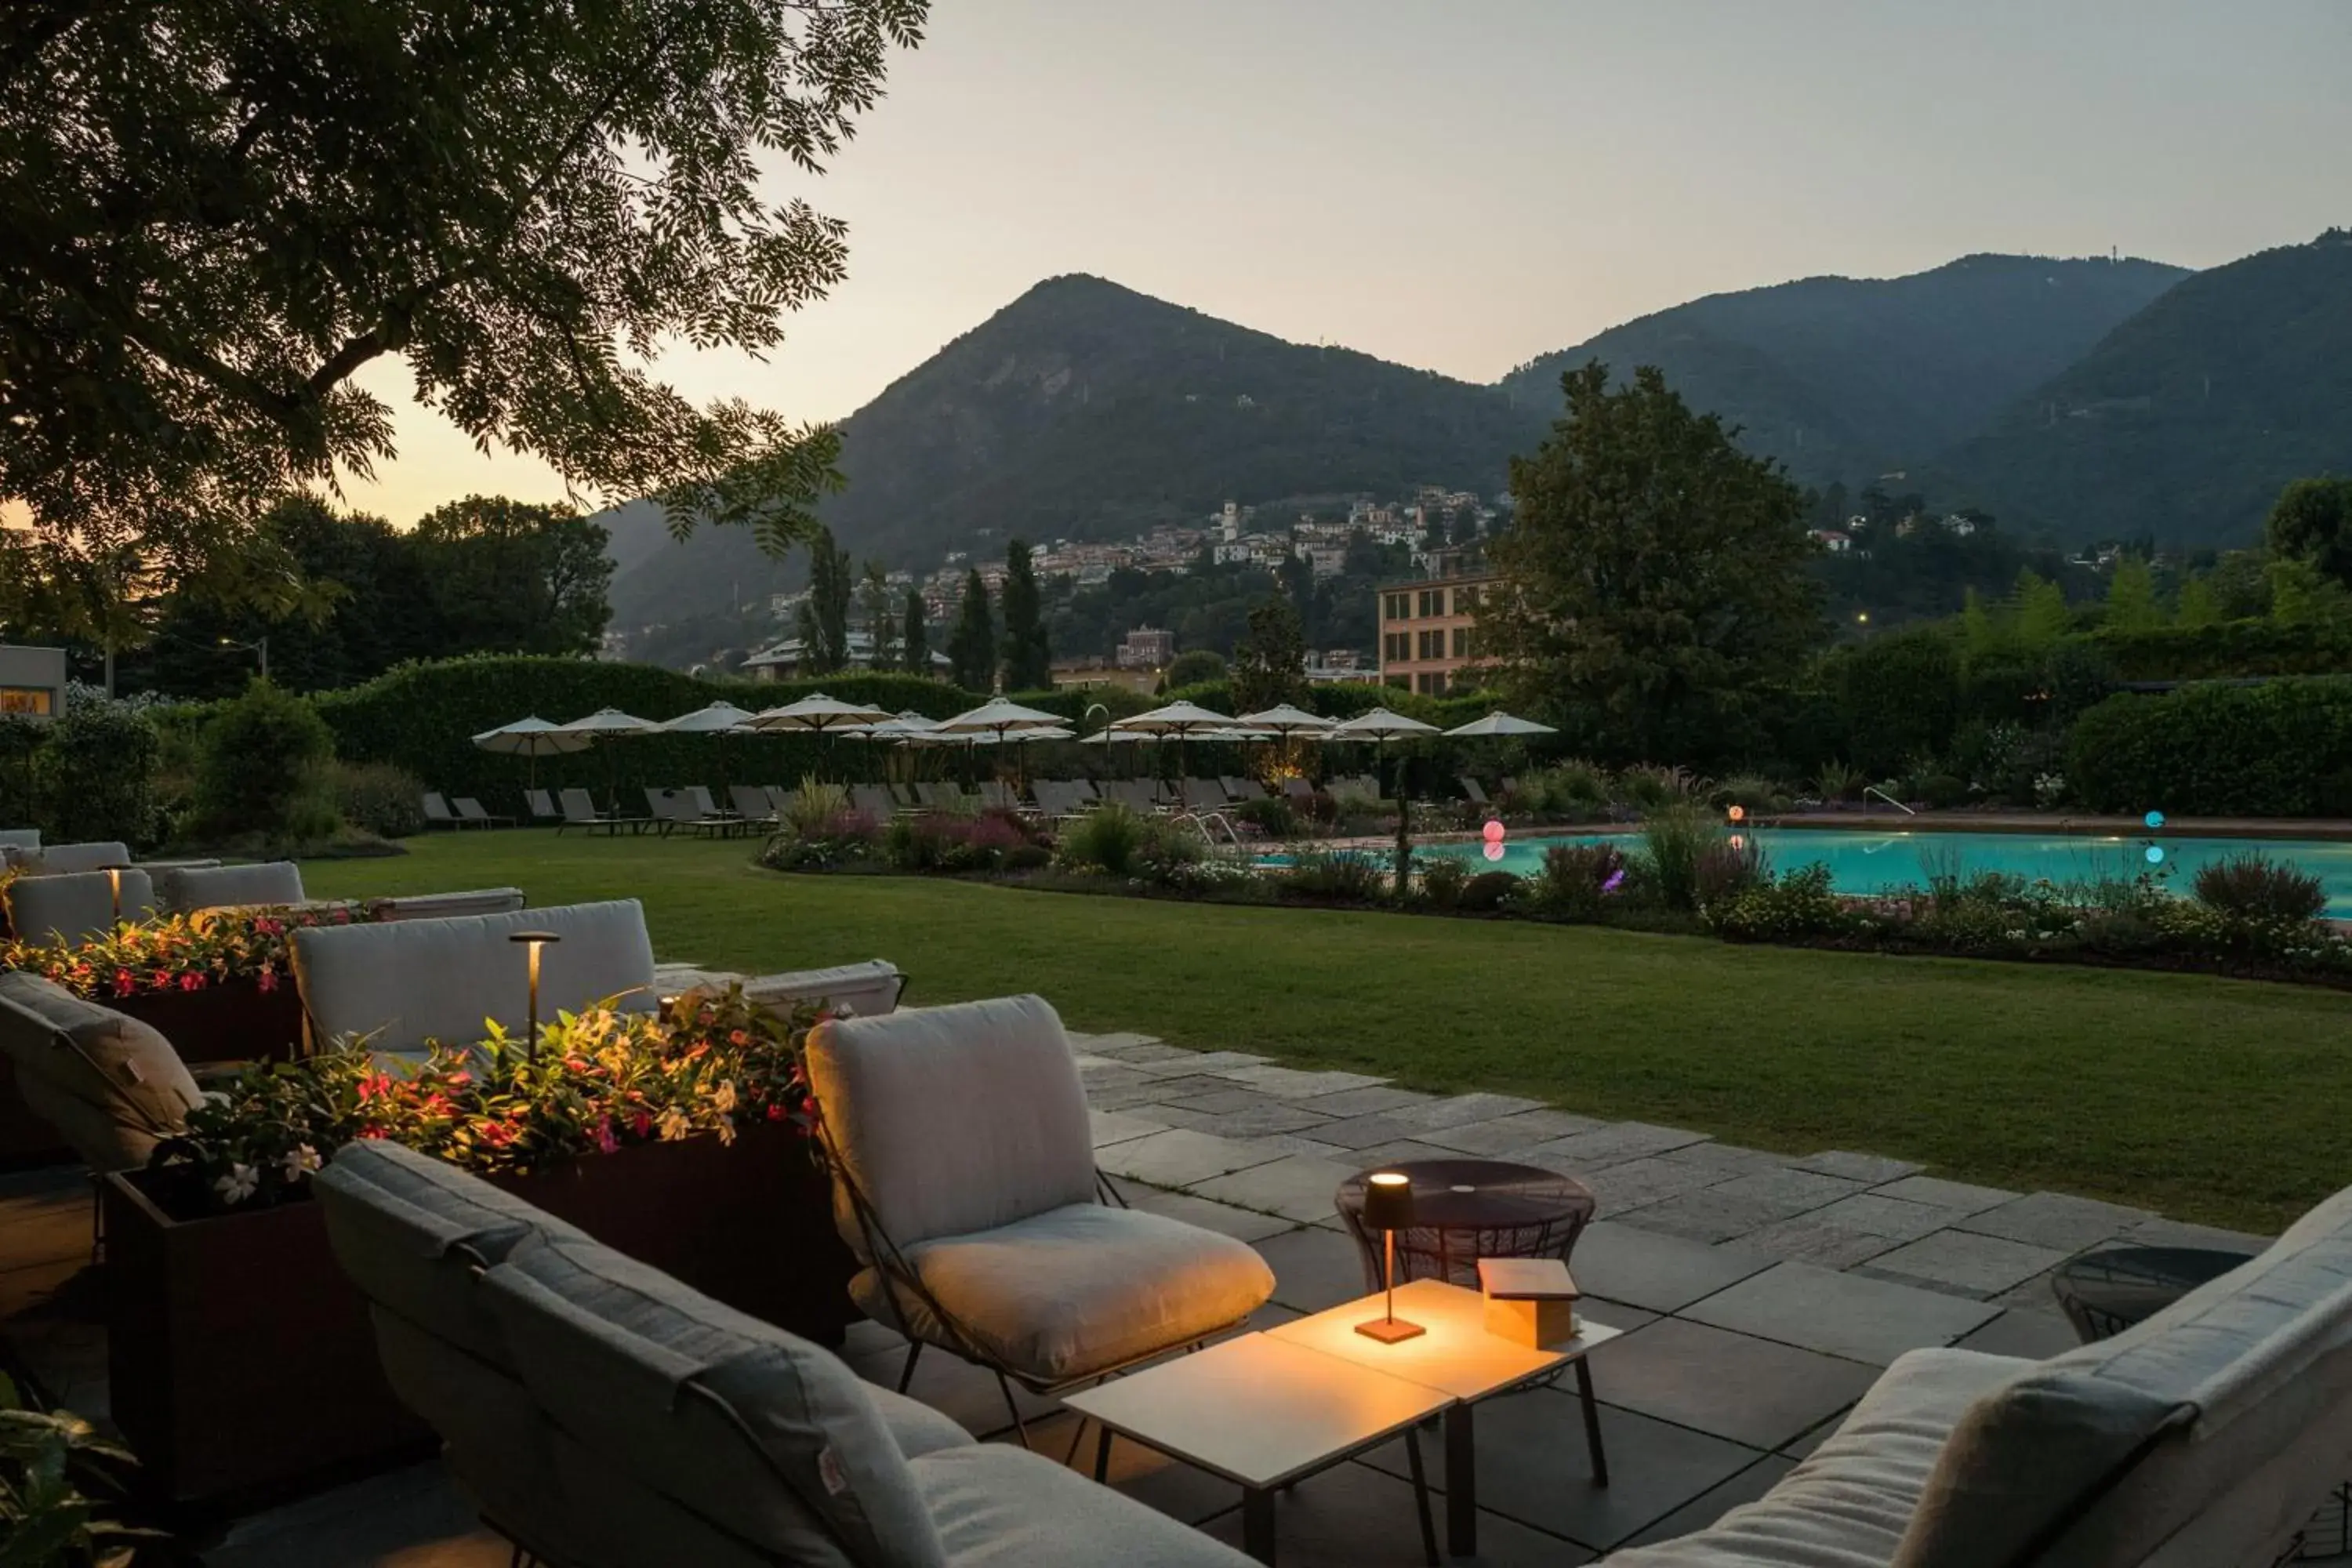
(606, 1140)
(268, 978)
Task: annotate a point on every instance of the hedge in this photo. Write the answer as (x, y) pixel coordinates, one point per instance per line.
(2259, 646)
(2281, 749)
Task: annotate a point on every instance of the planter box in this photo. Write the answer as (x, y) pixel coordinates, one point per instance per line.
(242, 1362)
(232, 1021)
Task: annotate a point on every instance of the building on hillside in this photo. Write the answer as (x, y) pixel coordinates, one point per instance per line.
(1086, 673)
(1146, 647)
(788, 659)
(1428, 631)
(1834, 540)
(32, 680)
(1326, 667)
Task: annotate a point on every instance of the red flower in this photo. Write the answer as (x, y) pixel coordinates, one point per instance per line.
(268, 978)
(606, 1140)
(738, 1038)
(191, 982)
(641, 1124)
(125, 983)
(775, 1111)
(497, 1134)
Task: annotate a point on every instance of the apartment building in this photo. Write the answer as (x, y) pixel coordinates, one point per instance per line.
(1429, 631)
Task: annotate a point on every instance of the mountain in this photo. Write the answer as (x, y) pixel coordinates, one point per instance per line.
(1843, 378)
(2187, 420)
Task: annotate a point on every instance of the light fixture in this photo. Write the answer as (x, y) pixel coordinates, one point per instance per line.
(114, 885)
(533, 940)
(1388, 1209)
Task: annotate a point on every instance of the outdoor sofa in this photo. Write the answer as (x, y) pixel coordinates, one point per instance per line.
(2203, 1437)
(76, 906)
(604, 1415)
(111, 1085)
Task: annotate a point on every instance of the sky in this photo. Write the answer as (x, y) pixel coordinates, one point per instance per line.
(1463, 184)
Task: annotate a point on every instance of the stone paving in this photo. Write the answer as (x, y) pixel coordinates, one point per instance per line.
(1762, 1293)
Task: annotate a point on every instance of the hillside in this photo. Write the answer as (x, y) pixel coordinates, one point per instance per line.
(1842, 378)
(2186, 421)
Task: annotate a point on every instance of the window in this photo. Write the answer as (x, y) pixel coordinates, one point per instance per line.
(1462, 642)
(1433, 602)
(1397, 606)
(1433, 644)
(1396, 646)
(35, 700)
(1431, 684)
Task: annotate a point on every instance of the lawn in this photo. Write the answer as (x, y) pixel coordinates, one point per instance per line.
(2211, 1099)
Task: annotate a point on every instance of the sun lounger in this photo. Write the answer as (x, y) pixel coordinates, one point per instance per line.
(1202, 794)
(752, 807)
(874, 800)
(1244, 789)
(1298, 789)
(438, 813)
(580, 811)
(542, 806)
(995, 794)
(1136, 794)
(470, 810)
(1472, 791)
(936, 796)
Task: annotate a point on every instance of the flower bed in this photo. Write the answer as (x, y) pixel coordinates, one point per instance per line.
(184, 952)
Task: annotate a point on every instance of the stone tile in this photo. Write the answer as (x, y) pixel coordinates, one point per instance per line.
(1402, 1151)
(1840, 1314)
(1120, 1044)
(1794, 1192)
(1870, 1168)
(1241, 1224)
(1298, 1187)
(1812, 1439)
(1709, 1505)
(1660, 1273)
(1315, 1268)
(2036, 1294)
(1364, 1101)
(1878, 1215)
(1363, 1132)
(1180, 1157)
(1460, 1110)
(1944, 1194)
(1751, 1391)
(1113, 1078)
(2055, 1219)
(1532, 1467)
(865, 1338)
(1980, 1265)
(1728, 1158)
(1506, 1134)
(1297, 1083)
(1145, 1096)
(2174, 1232)
(1229, 1097)
(2023, 1331)
(412, 1516)
(1145, 1051)
(1356, 1516)
(1264, 1118)
(1706, 1215)
(1179, 1087)
(1806, 1239)
(1207, 1062)
(1618, 1188)
(47, 1227)
(1177, 1116)
(1610, 1144)
(1119, 1126)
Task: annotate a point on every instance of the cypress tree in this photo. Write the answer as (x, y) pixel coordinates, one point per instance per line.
(971, 650)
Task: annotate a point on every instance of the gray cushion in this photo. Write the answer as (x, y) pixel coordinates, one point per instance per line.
(20, 838)
(440, 906)
(91, 856)
(766, 1436)
(914, 1427)
(110, 1084)
(864, 990)
(183, 889)
(73, 907)
(404, 983)
(1075, 1291)
(955, 1119)
(999, 1507)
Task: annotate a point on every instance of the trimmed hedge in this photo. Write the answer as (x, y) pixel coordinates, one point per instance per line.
(2282, 749)
(2260, 647)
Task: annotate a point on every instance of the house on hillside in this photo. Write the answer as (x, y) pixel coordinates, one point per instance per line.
(788, 659)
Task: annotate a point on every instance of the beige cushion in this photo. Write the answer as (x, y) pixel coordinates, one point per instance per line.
(766, 1436)
(93, 855)
(110, 1085)
(952, 1121)
(76, 906)
(440, 906)
(404, 983)
(185, 889)
(998, 1506)
(26, 838)
(1075, 1291)
(864, 990)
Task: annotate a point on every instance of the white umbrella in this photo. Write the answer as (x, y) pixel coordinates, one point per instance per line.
(604, 725)
(996, 716)
(818, 712)
(533, 738)
(1285, 720)
(705, 721)
(1178, 718)
(1498, 723)
(1051, 732)
(1379, 725)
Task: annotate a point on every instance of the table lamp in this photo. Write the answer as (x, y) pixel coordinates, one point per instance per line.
(533, 940)
(1388, 1209)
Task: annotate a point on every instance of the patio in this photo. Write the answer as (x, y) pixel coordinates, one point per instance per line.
(1760, 1295)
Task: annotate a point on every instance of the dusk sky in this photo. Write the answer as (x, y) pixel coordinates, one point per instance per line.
(1462, 185)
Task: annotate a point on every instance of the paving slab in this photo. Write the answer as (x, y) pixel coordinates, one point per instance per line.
(1611, 1143)
(1807, 1240)
(1460, 1110)
(1181, 1492)
(1704, 1215)
(412, 1516)
(1402, 1152)
(1113, 1078)
(1870, 1168)
(1269, 1116)
(1355, 1516)
(1751, 1391)
(1206, 1061)
(1241, 1224)
(1659, 1273)
(2036, 1334)
(1363, 1132)
(1118, 1043)
(1794, 1192)
(1144, 1052)
(966, 1394)
(1370, 1099)
(1299, 1187)
(1230, 1097)
(2175, 1233)
(1177, 1087)
(1709, 1505)
(1314, 1268)
(1728, 1158)
(1838, 1314)
(1944, 1194)
(1880, 1215)
(1505, 1134)
(1141, 1096)
(1617, 1188)
(1119, 1126)
(1980, 1265)
(2055, 1219)
(1180, 1157)
(1298, 1083)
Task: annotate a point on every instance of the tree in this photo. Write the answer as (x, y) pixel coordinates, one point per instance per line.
(2196, 606)
(511, 576)
(880, 615)
(971, 648)
(1654, 573)
(2312, 521)
(914, 636)
(824, 621)
(1028, 656)
(219, 214)
(1270, 660)
(2039, 616)
(2131, 597)
(1193, 667)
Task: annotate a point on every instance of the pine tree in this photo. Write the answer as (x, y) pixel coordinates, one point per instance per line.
(824, 618)
(1270, 657)
(914, 636)
(971, 650)
(2131, 597)
(1028, 660)
(881, 624)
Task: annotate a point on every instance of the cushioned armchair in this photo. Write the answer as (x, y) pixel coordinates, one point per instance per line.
(75, 906)
(605, 1417)
(964, 1179)
(110, 1085)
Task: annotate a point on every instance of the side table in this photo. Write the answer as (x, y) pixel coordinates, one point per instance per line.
(1463, 1210)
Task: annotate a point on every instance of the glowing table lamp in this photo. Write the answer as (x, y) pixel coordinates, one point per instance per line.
(1388, 1209)
(533, 940)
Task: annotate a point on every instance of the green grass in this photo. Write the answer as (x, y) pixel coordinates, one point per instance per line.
(2211, 1099)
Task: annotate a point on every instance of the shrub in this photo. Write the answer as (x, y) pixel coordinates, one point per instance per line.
(1349, 799)
(843, 838)
(261, 769)
(387, 801)
(1028, 857)
(1443, 877)
(1727, 867)
(1799, 904)
(2281, 749)
(2256, 886)
(1273, 816)
(1334, 875)
(102, 770)
(1488, 891)
(952, 842)
(1750, 792)
(1838, 781)
(1108, 840)
(1897, 693)
(1672, 841)
(1944, 791)
(1654, 788)
(1196, 666)
(1564, 789)
(1576, 880)
(813, 805)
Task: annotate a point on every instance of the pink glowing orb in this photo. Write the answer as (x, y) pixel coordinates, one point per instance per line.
(1739, 841)
(1494, 832)
(1494, 850)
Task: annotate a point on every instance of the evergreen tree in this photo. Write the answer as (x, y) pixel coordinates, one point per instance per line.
(2131, 597)
(2196, 606)
(1270, 660)
(1028, 660)
(2042, 616)
(825, 618)
(880, 616)
(914, 636)
(971, 649)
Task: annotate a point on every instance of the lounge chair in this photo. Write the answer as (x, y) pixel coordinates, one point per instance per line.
(1298, 789)
(110, 1085)
(470, 810)
(1202, 794)
(1138, 796)
(780, 800)
(542, 806)
(1243, 788)
(754, 808)
(1472, 791)
(697, 809)
(875, 801)
(580, 811)
(73, 907)
(995, 794)
(942, 796)
(438, 813)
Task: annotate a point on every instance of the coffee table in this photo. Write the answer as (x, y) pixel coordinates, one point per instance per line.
(1268, 1409)
(1264, 1412)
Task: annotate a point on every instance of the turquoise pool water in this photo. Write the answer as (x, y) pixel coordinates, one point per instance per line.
(1880, 861)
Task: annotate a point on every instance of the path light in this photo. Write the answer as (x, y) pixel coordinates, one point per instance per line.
(114, 885)
(2155, 820)
(1388, 1209)
(1739, 814)
(533, 940)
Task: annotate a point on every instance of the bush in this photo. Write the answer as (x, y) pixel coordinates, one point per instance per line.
(1443, 877)
(1273, 816)
(1576, 880)
(1838, 781)
(1897, 694)
(1672, 841)
(1942, 792)
(846, 837)
(1727, 867)
(101, 759)
(813, 806)
(953, 843)
(261, 769)
(1752, 793)
(1572, 788)
(1798, 905)
(1196, 666)
(1028, 857)
(1108, 840)
(1654, 788)
(2258, 887)
(1331, 876)
(2282, 749)
(1488, 892)
(378, 797)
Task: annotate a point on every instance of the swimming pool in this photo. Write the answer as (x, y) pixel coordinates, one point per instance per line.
(1881, 860)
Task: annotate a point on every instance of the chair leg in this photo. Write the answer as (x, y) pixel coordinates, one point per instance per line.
(1018, 1426)
(906, 1373)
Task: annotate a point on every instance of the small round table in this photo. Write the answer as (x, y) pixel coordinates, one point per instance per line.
(1463, 1210)
(2103, 1293)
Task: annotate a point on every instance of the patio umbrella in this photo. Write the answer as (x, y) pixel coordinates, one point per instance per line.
(718, 719)
(532, 738)
(996, 717)
(1176, 719)
(605, 725)
(817, 715)
(1379, 726)
(1286, 721)
(1498, 723)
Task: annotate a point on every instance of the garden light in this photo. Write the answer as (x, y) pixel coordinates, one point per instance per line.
(1739, 814)
(533, 940)
(2154, 819)
(1494, 850)
(2156, 855)
(114, 885)
(1494, 832)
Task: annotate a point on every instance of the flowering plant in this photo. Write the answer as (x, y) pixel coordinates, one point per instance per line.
(184, 952)
(601, 1079)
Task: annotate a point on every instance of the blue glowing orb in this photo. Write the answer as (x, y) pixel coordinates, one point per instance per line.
(2154, 819)
(2155, 855)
